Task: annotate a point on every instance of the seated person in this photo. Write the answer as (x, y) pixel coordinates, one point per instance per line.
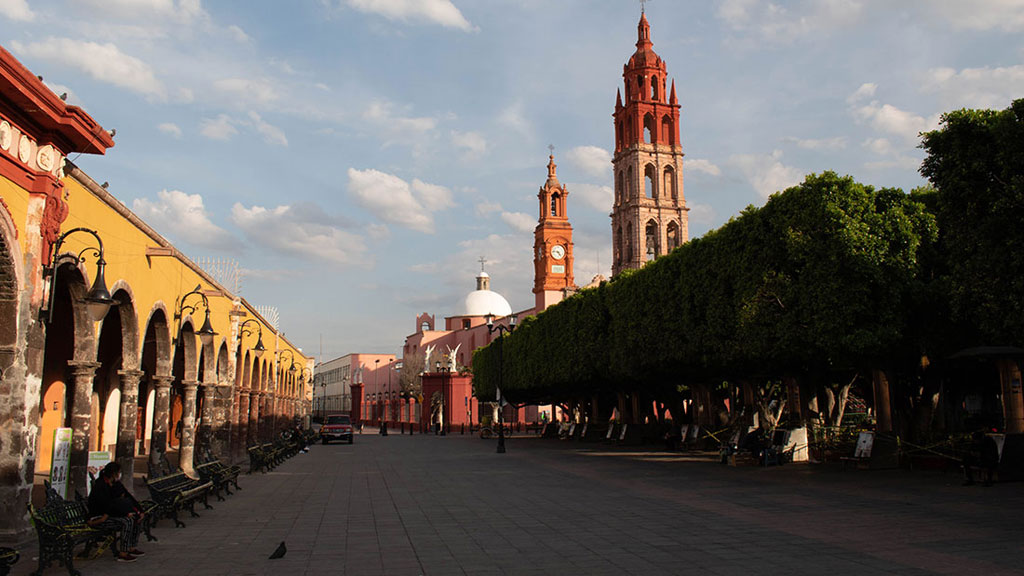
(982, 454)
(112, 507)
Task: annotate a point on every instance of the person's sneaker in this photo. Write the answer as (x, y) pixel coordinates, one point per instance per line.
(136, 552)
(126, 558)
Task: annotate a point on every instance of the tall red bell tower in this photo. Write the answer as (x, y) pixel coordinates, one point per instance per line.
(649, 217)
(552, 245)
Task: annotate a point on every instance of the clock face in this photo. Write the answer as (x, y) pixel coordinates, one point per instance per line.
(557, 252)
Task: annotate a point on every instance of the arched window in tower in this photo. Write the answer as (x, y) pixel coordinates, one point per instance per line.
(640, 86)
(554, 204)
(672, 236)
(650, 129)
(630, 182)
(670, 183)
(668, 135)
(653, 250)
(617, 243)
(650, 181)
(629, 242)
(619, 136)
(654, 88)
(618, 188)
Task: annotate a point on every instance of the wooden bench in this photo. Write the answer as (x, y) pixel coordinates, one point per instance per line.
(221, 476)
(260, 458)
(62, 525)
(178, 492)
(8, 557)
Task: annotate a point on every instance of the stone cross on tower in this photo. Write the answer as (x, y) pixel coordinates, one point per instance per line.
(482, 261)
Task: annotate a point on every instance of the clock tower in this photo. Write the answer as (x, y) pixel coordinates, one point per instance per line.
(649, 217)
(552, 245)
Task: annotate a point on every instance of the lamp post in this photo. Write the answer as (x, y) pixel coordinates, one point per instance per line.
(446, 379)
(259, 349)
(97, 300)
(502, 330)
(377, 396)
(205, 333)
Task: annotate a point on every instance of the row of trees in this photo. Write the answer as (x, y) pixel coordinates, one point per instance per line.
(830, 284)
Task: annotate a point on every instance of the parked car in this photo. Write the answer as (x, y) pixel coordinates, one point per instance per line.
(336, 427)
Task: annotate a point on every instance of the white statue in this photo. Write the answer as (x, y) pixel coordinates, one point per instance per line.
(451, 357)
(426, 358)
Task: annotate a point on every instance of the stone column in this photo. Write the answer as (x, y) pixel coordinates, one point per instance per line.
(243, 423)
(83, 374)
(1013, 401)
(883, 410)
(161, 417)
(254, 417)
(220, 423)
(126, 424)
(207, 421)
(188, 427)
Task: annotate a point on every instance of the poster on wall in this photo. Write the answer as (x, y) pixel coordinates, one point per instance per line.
(97, 460)
(60, 470)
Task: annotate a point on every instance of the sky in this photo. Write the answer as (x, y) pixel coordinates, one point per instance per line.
(356, 158)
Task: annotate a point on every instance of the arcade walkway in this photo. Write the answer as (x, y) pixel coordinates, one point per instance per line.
(414, 505)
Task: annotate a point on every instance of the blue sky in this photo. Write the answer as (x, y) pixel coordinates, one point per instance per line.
(356, 157)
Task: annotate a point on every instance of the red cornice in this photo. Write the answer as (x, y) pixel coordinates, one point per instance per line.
(44, 115)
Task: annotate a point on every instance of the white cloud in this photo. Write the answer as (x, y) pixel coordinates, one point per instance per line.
(219, 128)
(181, 11)
(1006, 15)
(485, 209)
(836, 143)
(766, 173)
(17, 10)
(433, 196)
(238, 34)
(383, 114)
(892, 120)
(473, 143)
(514, 119)
(104, 62)
(184, 217)
(780, 22)
(866, 91)
(976, 87)
(599, 198)
(392, 199)
(271, 134)
(519, 222)
(898, 161)
(441, 12)
(880, 146)
(594, 161)
(701, 165)
(259, 91)
(304, 233)
(170, 128)
(701, 215)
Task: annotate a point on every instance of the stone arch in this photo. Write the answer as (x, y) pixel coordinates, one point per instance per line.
(640, 86)
(652, 240)
(223, 368)
(185, 346)
(161, 334)
(618, 245)
(629, 242)
(555, 204)
(650, 181)
(668, 130)
(619, 185)
(669, 183)
(630, 182)
(129, 320)
(673, 236)
(654, 88)
(650, 129)
(15, 431)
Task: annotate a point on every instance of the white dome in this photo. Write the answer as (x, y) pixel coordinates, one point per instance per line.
(484, 302)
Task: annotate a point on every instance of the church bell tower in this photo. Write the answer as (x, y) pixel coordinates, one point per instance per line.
(552, 245)
(649, 217)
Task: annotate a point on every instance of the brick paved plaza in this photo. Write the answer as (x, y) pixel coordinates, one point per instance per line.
(431, 505)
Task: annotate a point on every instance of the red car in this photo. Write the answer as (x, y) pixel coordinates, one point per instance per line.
(337, 427)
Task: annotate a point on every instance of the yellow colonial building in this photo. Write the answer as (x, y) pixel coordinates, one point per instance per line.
(107, 329)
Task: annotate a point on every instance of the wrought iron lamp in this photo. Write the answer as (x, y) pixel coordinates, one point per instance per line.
(97, 300)
(502, 330)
